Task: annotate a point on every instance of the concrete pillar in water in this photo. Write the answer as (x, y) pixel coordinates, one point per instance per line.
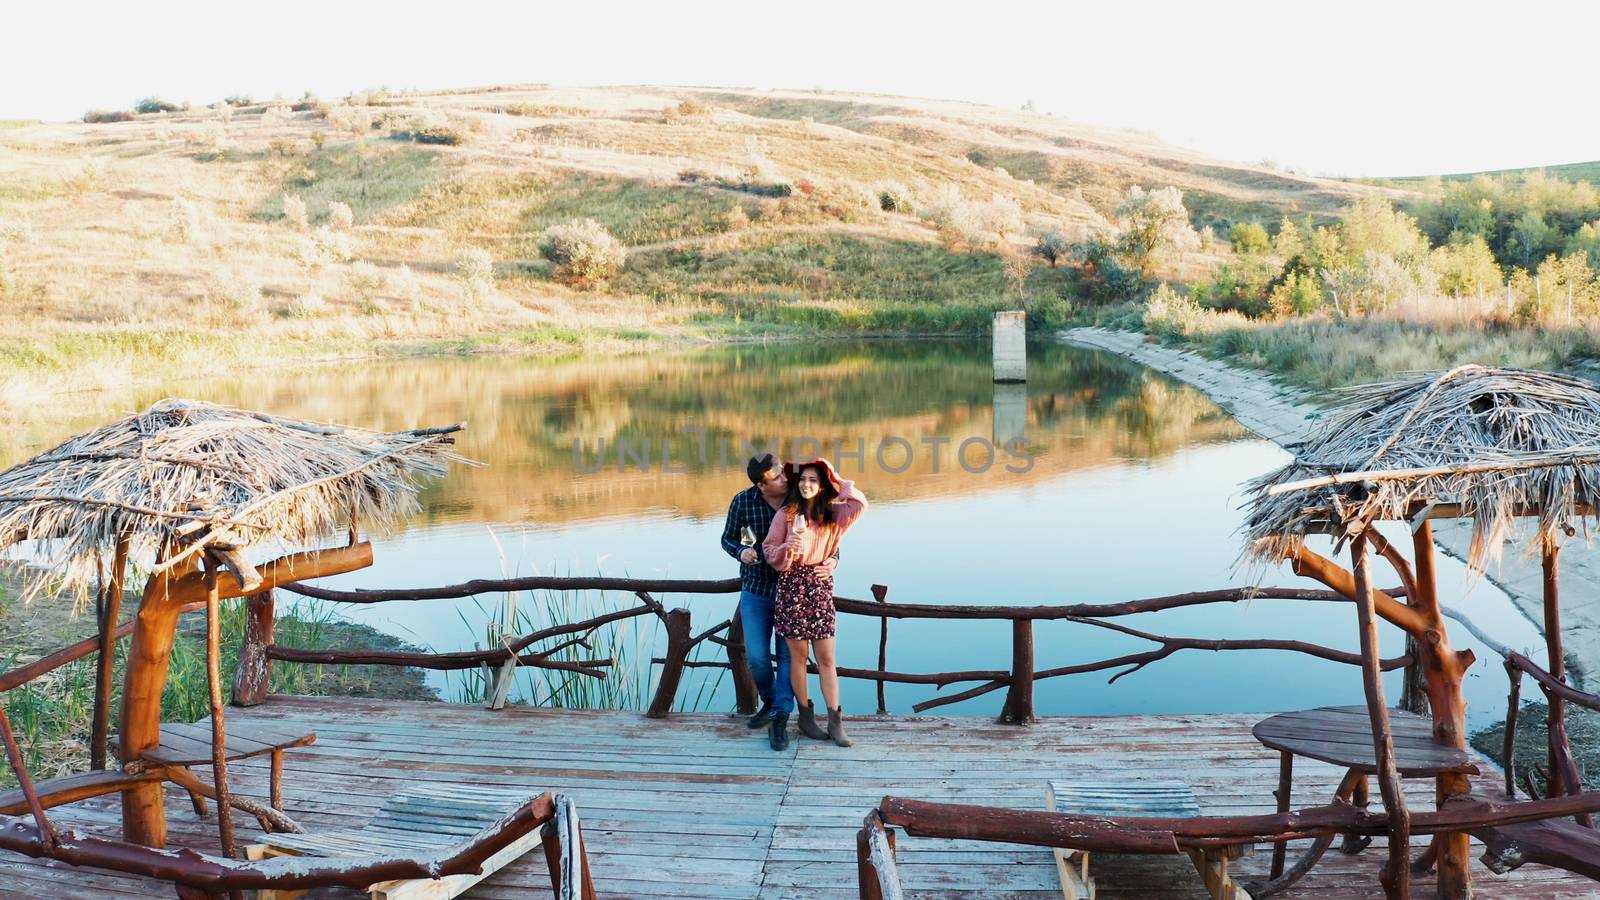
(1010, 413)
(1010, 346)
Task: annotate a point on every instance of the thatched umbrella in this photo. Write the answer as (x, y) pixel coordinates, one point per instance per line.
(1484, 443)
(182, 491)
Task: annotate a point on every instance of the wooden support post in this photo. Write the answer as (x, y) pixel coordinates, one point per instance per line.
(1018, 709)
(150, 652)
(1564, 777)
(252, 678)
(1285, 786)
(880, 592)
(1443, 671)
(677, 623)
(1396, 876)
(745, 695)
(110, 611)
(219, 732)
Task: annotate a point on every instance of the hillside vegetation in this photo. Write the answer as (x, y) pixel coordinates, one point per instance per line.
(168, 239)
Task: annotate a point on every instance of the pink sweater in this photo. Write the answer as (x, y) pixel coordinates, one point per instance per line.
(819, 542)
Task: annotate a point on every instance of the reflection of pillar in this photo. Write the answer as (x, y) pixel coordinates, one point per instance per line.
(1010, 346)
(1010, 413)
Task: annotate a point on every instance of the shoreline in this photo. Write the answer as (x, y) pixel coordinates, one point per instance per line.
(1285, 415)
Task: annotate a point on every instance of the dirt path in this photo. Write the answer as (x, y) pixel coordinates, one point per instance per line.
(1285, 415)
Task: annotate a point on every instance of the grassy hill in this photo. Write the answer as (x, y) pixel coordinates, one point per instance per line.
(1578, 171)
(166, 242)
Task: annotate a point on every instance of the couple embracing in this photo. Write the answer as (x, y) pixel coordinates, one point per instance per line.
(785, 531)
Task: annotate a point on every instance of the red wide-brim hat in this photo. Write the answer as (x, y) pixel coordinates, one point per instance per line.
(791, 471)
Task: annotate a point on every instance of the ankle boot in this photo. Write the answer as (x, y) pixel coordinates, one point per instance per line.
(836, 727)
(778, 732)
(808, 723)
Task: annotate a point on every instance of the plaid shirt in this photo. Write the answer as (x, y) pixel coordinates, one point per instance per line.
(751, 509)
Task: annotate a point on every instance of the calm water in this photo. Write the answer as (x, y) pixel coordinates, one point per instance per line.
(1116, 483)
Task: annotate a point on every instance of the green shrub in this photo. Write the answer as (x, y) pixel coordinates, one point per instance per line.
(583, 251)
(894, 199)
(99, 116)
(437, 135)
(1102, 271)
(154, 105)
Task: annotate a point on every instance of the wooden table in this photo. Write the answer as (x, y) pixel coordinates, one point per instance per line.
(1342, 735)
(184, 745)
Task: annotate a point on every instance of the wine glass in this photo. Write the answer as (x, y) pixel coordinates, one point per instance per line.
(747, 536)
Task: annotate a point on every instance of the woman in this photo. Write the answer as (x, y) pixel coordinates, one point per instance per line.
(818, 510)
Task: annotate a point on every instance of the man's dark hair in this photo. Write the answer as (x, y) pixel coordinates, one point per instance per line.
(758, 467)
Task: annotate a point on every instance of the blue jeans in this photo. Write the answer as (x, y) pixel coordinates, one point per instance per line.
(755, 611)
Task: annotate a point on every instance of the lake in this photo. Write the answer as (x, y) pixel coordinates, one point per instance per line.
(1097, 481)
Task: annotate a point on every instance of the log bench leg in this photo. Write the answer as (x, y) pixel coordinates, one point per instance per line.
(1074, 868)
(1212, 864)
(276, 782)
(197, 799)
(1355, 843)
(1319, 846)
(270, 819)
(1285, 784)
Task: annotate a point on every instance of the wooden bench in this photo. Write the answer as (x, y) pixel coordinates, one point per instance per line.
(425, 818)
(72, 788)
(1131, 799)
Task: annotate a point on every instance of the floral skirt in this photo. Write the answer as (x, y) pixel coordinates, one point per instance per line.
(803, 607)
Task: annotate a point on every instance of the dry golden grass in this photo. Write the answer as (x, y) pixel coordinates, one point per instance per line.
(159, 245)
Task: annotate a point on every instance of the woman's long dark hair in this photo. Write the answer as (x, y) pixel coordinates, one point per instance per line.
(819, 509)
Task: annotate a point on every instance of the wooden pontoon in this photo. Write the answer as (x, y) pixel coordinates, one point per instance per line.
(695, 806)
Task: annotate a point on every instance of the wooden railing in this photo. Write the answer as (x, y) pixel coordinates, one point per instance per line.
(1018, 679)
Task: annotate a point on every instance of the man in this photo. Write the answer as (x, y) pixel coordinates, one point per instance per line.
(753, 508)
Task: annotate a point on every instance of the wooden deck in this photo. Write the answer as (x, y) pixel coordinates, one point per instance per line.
(698, 806)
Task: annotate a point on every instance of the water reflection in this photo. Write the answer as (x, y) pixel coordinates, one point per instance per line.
(1130, 491)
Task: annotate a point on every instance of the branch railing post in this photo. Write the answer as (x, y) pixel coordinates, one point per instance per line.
(678, 645)
(877, 875)
(1413, 684)
(1018, 709)
(880, 592)
(1508, 750)
(252, 676)
(1396, 876)
(745, 694)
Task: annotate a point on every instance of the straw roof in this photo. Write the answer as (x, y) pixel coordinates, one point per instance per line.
(186, 470)
(1500, 442)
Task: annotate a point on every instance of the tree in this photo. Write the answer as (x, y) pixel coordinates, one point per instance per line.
(1249, 238)
(1586, 240)
(1530, 237)
(1051, 244)
(1154, 223)
(1289, 241)
(1373, 224)
(1467, 268)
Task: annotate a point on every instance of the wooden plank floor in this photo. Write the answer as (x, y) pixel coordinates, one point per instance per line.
(698, 806)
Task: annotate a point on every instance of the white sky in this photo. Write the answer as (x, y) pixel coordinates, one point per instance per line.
(1353, 87)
